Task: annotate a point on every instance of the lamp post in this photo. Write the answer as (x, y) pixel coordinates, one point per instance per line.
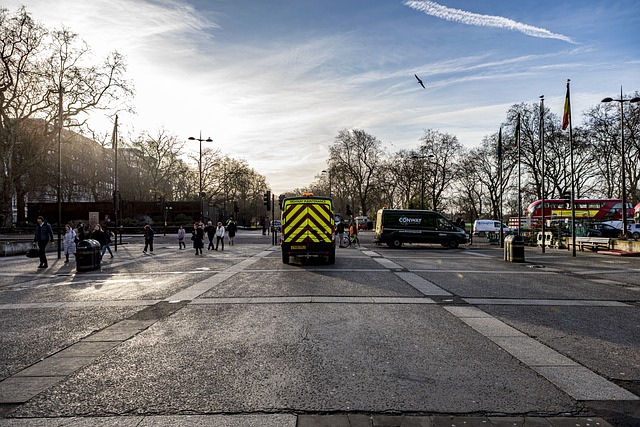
(328, 172)
(200, 195)
(621, 101)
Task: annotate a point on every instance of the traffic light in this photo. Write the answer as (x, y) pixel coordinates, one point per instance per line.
(267, 200)
(349, 212)
(281, 199)
(236, 209)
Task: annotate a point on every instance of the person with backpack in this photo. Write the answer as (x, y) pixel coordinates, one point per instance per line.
(107, 241)
(43, 235)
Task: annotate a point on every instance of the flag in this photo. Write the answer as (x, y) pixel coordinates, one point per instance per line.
(566, 116)
(499, 147)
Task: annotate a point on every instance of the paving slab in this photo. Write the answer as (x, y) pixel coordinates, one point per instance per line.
(87, 349)
(532, 352)
(55, 367)
(21, 389)
(423, 285)
(583, 384)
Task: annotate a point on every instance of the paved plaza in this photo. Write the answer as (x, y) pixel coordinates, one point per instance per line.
(410, 337)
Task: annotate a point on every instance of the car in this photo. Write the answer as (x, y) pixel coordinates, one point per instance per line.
(603, 230)
(633, 231)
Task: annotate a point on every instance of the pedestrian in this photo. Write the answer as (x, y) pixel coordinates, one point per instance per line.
(232, 227)
(69, 242)
(107, 241)
(197, 235)
(181, 234)
(266, 225)
(220, 235)
(80, 235)
(210, 229)
(98, 235)
(353, 234)
(43, 234)
(340, 230)
(148, 238)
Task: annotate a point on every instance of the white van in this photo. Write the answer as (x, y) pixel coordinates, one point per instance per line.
(483, 226)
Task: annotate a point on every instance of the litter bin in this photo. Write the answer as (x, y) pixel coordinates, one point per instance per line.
(514, 248)
(88, 255)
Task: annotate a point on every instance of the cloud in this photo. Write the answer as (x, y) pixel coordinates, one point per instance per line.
(470, 18)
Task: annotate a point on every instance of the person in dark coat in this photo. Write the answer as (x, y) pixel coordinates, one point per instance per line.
(210, 229)
(197, 235)
(232, 227)
(43, 235)
(80, 232)
(98, 235)
(148, 238)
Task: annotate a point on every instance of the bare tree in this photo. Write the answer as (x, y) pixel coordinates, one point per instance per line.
(41, 70)
(441, 151)
(160, 156)
(359, 155)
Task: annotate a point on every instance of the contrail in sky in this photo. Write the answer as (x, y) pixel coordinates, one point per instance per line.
(470, 18)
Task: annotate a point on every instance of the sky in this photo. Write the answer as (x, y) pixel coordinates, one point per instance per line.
(272, 82)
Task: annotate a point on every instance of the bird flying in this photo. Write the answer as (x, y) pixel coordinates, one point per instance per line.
(419, 81)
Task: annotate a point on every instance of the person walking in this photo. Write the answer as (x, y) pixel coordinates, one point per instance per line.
(107, 242)
(197, 235)
(98, 235)
(266, 226)
(148, 239)
(43, 235)
(232, 227)
(220, 235)
(181, 234)
(353, 234)
(80, 233)
(210, 229)
(69, 242)
(340, 231)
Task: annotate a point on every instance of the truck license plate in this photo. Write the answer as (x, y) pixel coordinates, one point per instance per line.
(298, 247)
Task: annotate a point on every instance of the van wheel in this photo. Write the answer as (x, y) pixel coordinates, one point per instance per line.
(331, 259)
(395, 243)
(636, 235)
(481, 234)
(453, 243)
(285, 258)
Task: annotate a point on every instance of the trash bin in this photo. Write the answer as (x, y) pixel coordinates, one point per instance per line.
(514, 248)
(88, 255)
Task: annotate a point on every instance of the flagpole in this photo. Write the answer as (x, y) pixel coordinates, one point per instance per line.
(519, 174)
(116, 198)
(573, 189)
(542, 178)
(500, 186)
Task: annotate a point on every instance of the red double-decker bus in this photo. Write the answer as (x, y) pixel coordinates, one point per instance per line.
(590, 210)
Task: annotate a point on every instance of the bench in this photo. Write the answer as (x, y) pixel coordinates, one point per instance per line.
(593, 243)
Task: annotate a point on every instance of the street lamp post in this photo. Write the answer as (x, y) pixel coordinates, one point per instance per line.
(328, 172)
(200, 195)
(621, 101)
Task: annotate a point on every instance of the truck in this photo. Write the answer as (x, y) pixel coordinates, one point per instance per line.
(308, 228)
(394, 227)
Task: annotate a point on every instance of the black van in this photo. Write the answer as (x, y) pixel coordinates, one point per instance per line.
(397, 226)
